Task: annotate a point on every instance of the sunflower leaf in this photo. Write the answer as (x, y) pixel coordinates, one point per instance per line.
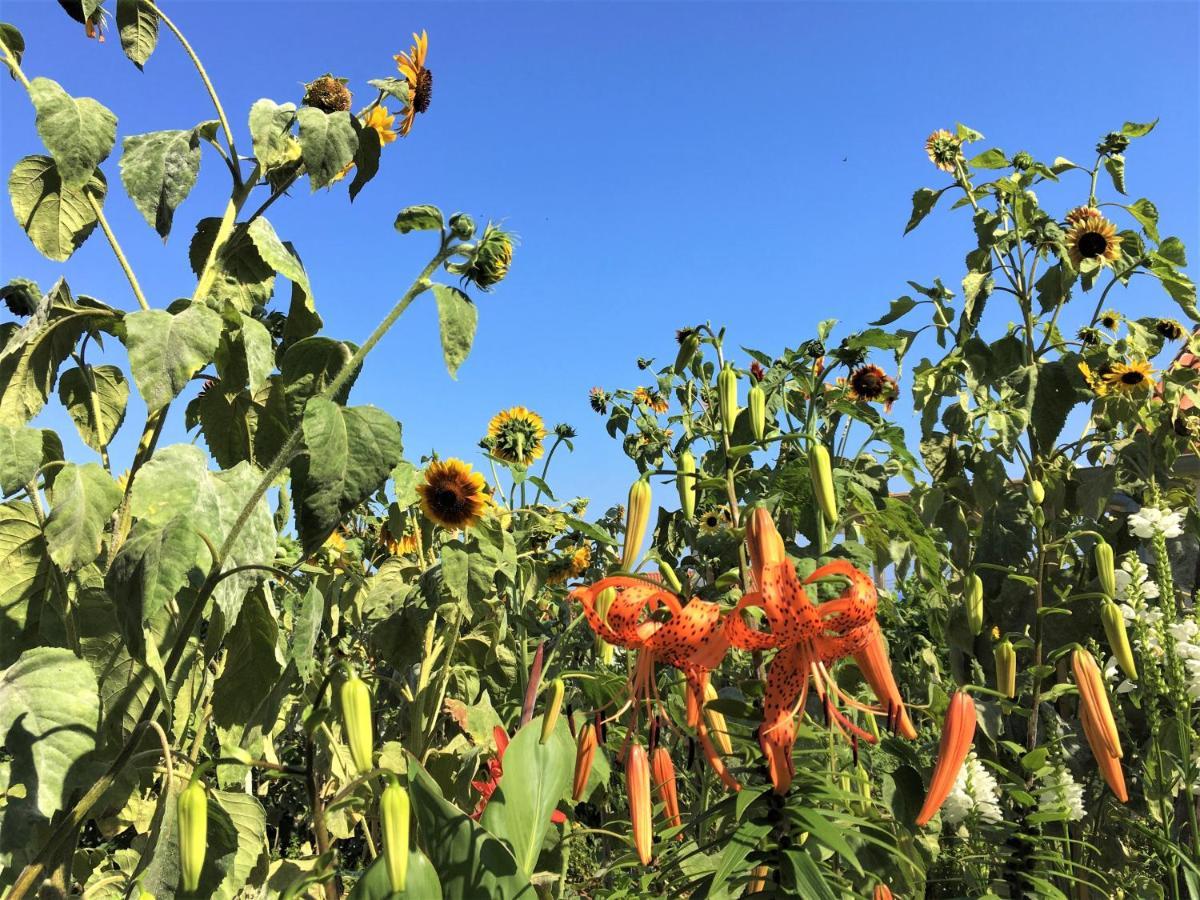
(159, 170)
(166, 350)
(1115, 166)
(137, 23)
(79, 133)
(57, 218)
(418, 218)
(923, 202)
(13, 41)
(327, 144)
(96, 401)
(457, 318)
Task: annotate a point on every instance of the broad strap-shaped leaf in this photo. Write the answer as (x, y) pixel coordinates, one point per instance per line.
(167, 349)
(78, 132)
(349, 454)
(95, 398)
(82, 500)
(327, 143)
(159, 170)
(457, 317)
(271, 131)
(137, 24)
(20, 456)
(57, 218)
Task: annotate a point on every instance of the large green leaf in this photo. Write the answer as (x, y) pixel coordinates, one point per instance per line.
(20, 456)
(25, 577)
(82, 500)
(471, 863)
(242, 278)
(422, 881)
(78, 132)
(308, 611)
(159, 170)
(49, 706)
(166, 350)
(327, 143)
(457, 317)
(228, 421)
(349, 454)
(249, 821)
(536, 776)
(137, 23)
(57, 218)
(95, 399)
(308, 367)
(245, 355)
(251, 668)
(271, 131)
(275, 253)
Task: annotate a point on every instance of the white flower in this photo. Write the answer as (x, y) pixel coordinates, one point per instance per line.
(1112, 674)
(1186, 635)
(1133, 579)
(1060, 793)
(974, 792)
(1150, 520)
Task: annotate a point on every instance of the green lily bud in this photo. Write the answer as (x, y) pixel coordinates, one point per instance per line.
(394, 818)
(1118, 637)
(973, 600)
(1006, 668)
(1037, 493)
(685, 482)
(727, 397)
(1105, 567)
(553, 705)
(355, 699)
(637, 517)
(192, 813)
(820, 469)
(757, 399)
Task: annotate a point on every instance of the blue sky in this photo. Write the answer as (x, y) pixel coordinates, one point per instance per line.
(664, 164)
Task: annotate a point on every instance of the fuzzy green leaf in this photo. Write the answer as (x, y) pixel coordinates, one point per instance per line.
(20, 456)
(158, 170)
(457, 318)
(96, 401)
(418, 218)
(79, 133)
(166, 350)
(327, 143)
(271, 130)
(81, 502)
(57, 218)
(137, 24)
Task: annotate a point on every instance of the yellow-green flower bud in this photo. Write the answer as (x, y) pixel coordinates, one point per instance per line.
(553, 705)
(1105, 567)
(491, 259)
(689, 345)
(394, 819)
(973, 600)
(685, 482)
(727, 397)
(757, 400)
(637, 517)
(462, 226)
(1118, 637)
(192, 813)
(355, 698)
(1037, 493)
(670, 579)
(1006, 668)
(820, 468)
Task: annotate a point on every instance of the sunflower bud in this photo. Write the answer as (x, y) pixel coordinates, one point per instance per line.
(1118, 637)
(462, 226)
(327, 94)
(820, 468)
(1006, 668)
(394, 818)
(689, 345)
(1037, 493)
(973, 601)
(637, 517)
(685, 482)
(553, 705)
(727, 397)
(757, 398)
(192, 812)
(663, 771)
(958, 733)
(1105, 567)
(637, 784)
(604, 600)
(355, 698)
(491, 259)
(585, 755)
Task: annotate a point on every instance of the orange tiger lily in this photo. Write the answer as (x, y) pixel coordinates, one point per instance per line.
(1099, 726)
(810, 638)
(958, 733)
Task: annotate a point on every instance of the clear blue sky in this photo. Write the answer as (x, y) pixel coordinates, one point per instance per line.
(664, 164)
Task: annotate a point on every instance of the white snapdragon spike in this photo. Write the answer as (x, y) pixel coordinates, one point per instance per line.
(975, 792)
(1150, 521)
(1186, 635)
(1114, 676)
(1060, 793)
(1133, 579)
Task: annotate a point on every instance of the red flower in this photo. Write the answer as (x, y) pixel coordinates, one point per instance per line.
(488, 785)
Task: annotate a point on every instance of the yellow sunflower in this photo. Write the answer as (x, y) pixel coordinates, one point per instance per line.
(570, 566)
(1110, 319)
(652, 398)
(1091, 237)
(1130, 378)
(713, 521)
(453, 495)
(381, 120)
(943, 149)
(1171, 329)
(515, 435)
(1095, 380)
(870, 384)
(407, 545)
(419, 78)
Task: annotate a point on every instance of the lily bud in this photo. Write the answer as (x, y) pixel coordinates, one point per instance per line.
(758, 880)
(1006, 668)
(1105, 567)
(973, 599)
(1099, 727)
(685, 483)
(727, 397)
(355, 699)
(669, 578)
(553, 705)
(1118, 637)
(192, 813)
(637, 517)
(958, 733)
(663, 771)
(1037, 493)
(882, 892)
(820, 469)
(757, 399)
(637, 783)
(394, 819)
(716, 721)
(585, 754)
(604, 600)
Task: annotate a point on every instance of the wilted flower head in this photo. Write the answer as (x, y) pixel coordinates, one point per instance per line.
(21, 296)
(598, 400)
(1088, 336)
(1114, 143)
(943, 149)
(327, 94)
(757, 372)
(1171, 329)
(564, 431)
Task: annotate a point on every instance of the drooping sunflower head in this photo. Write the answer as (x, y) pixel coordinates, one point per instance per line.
(869, 383)
(406, 545)
(380, 120)
(516, 435)
(491, 259)
(1095, 378)
(1130, 377)
(1089, 337)
(598, 400)
(419, 78)
(1171, 329)
(21, 296)
(327, 94)
(570, 566)
(1091, 237)
(453, 495)
(943, 149)
(652, 398)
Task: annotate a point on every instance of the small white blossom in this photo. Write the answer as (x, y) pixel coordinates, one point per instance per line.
(1186, 635)
(1060, 793)
(1150, 520)
(1133, 578)
(975, 791)
(1113, 675)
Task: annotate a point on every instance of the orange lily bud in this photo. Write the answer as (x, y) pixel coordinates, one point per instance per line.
(663, 771)
(758, 880)
(637, 783)
(1109, 765)
(692, 706)
(882, 892)
(585, 754)
(1093, 696)
(873, 662)
(958, 733)
(763, 541)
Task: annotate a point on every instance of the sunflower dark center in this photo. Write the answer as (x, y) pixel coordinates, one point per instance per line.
(1092, 244)
(868, 383)
(448, 500)
(1132, 377)
(424, 91)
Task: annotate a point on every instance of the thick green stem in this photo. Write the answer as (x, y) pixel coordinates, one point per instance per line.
(116, 248)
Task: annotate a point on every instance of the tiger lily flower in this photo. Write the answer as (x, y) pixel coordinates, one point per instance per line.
(1099, 726)
(810, 638)
(958, 733)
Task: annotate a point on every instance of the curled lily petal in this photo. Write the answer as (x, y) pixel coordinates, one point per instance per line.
(873, 662)
(958, 733)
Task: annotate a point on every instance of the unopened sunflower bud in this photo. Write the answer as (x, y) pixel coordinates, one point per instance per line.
(462, 226)
(585, 755)
(1105, 567)
(491, 259)
(192, 813)
(355, 699)
(685, 483)
(973, 601)
(394, 818)
(637, 517)
(820, 469)
(1006, 668)
(727, 397)
(757, 399)
(637, 784)
(689, 345)
(1118, 637)
(553, 705)
(1037, 493)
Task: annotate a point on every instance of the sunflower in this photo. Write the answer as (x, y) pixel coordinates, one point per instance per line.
(1171, 329)
(714, 521)
(1095, 380)
(870, 383)
(381, 120)
(943, 149)
(453, 495)
(1091, 237)
(571, 566)
(1130, 378)
(408, 544)
(652, 398)
(1110, 319)
(419, 78)
(515, 435)
(598, 399)
(1089, 337)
